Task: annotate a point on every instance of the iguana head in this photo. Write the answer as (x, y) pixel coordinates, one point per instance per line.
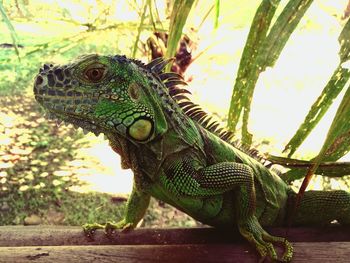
(109, 94)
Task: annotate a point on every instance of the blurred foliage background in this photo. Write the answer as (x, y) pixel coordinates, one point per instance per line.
(275, 72)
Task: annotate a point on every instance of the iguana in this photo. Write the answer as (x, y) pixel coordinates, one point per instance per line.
(177, 154)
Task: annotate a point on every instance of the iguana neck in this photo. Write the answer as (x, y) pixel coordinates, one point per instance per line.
(151, 155)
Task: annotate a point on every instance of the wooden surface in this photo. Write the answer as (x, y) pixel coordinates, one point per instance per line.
(68, 244)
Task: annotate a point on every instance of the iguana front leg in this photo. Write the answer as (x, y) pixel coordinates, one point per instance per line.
(186, 178)
(136, 207)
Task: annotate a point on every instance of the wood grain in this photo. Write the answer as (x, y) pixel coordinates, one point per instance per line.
(304, 252)
(67, 235)
(68, 244)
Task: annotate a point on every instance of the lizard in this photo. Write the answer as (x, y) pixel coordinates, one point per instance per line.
(176, 152)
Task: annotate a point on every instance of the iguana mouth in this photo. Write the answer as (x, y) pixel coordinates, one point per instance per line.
(76, 120)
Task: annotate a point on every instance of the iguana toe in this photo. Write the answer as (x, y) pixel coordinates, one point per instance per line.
(109, 228)
(263, 241)
(124, 226)
(89, 229)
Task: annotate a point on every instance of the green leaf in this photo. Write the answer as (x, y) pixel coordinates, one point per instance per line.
(248, 69)
(142, 19)
(300, 167)
(335, 85)
(14, 36)
(330, 92)
(337, 142)
(344, 40)
(178, 18)
(261, 51)
(332, 169)
(281, 30)
(217, 14)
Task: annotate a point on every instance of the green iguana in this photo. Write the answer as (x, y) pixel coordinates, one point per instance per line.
(177, 154)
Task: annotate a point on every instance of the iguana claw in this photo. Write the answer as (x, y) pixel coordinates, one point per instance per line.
(109, 228)
(263, 242)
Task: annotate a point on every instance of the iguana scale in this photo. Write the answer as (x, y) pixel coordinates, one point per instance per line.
(177, 154)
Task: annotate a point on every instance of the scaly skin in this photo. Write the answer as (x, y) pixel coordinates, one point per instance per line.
(176, 155)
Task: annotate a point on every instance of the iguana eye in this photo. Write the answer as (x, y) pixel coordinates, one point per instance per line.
(94, 74)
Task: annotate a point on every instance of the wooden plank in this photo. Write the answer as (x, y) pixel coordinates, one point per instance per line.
(304, 252)
(11, 236)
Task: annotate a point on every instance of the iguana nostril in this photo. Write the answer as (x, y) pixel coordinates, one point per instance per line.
(39, 80)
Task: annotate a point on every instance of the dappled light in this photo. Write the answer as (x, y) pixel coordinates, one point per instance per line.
(99, 167)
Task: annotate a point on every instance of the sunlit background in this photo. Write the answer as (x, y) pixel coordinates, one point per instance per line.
(283, 94)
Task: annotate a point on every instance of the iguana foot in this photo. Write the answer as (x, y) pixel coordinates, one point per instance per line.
(263, 242)
(90, 229)
(109, 227)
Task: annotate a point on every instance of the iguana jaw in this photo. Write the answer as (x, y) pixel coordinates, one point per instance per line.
(77, 121)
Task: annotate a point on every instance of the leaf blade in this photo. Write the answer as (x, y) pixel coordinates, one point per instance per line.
(179, 14)
(318, 109)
